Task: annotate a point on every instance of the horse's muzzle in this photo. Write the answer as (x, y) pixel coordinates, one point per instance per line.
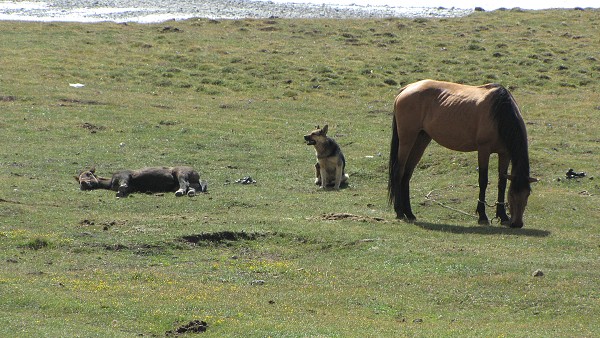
(516, 225)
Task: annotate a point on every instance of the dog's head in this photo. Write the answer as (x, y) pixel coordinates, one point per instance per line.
(316, 136)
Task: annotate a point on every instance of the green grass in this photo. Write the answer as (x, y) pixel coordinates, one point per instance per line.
(233, 99)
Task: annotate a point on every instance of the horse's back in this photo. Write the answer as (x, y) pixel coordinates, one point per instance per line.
(440, 95)
(454, 115)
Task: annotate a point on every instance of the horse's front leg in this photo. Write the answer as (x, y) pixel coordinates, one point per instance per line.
(483, 158)
(503, 162)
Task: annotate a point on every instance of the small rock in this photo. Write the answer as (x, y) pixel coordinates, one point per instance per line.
(538, 273)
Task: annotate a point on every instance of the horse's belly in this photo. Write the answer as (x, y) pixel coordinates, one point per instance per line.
(155, 182)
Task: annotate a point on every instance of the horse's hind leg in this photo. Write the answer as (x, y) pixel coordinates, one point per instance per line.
(421, 143)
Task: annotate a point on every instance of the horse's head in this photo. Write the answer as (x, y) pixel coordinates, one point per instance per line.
(88, 180)
(518, 194)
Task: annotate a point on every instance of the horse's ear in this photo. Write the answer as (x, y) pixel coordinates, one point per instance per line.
(533, 180)
(325, 129)
(93, 169)
(76, 178)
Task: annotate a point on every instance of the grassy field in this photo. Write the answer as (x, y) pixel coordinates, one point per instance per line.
(275, 258)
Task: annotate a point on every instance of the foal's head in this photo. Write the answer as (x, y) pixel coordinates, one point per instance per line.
(88, 180)
(518, 194)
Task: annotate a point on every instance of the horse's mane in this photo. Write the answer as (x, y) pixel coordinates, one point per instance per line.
(511, 129)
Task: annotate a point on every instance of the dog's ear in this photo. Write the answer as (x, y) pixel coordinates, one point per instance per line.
(325, 129)
(93, 169)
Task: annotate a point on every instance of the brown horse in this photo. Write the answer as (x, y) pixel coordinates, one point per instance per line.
(464, 118)
(182, 180)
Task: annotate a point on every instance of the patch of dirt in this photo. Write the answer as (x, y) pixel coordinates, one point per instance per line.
(336, 216)
(170, 29)
(8, 98)
(86, 222)
(195, 326)
(64, 102)
(143, 249)
(168, 123)
(223, 237)
(92, 128)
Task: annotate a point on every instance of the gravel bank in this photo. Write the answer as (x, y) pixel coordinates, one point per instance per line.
(147, 11)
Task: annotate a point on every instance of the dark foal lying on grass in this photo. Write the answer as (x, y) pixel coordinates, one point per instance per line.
(181, 180)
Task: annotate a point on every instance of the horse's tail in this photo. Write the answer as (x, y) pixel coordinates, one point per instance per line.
(394, 175)
(394, 180)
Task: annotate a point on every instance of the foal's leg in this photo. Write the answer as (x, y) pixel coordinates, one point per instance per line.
(414, 157)
(120, 183)
(184, 186)
(503, 162)
(483, 159)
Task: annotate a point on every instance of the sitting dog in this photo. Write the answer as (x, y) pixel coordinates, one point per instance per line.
(331, 164)
(181, 180)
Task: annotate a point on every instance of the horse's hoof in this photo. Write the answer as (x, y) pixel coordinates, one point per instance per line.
(191, 193)
(179, 193)
(410, 219)
(505, 222)
(484, 222)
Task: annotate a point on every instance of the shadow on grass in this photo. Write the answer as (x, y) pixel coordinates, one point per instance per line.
(482, 230)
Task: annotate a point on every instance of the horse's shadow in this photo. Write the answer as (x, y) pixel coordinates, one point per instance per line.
(482, 230)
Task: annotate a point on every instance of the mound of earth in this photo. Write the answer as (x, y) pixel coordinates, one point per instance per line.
(195, 326)
(336, 216)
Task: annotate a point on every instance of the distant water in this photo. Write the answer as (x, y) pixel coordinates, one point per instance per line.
(145, 11)
(488, 5)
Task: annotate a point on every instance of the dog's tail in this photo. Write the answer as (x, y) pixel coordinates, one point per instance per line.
(394, 180)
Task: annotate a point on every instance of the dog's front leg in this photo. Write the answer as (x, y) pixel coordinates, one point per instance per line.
(324, 178)
(338, 177)
(318, 173)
